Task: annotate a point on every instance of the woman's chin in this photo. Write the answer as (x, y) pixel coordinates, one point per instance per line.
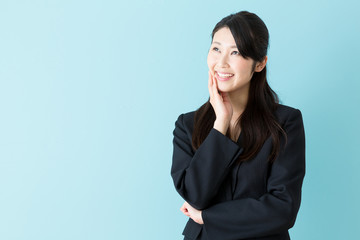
(223, 89)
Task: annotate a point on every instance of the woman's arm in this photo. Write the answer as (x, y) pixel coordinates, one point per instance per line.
(275, 211)
(197, 177)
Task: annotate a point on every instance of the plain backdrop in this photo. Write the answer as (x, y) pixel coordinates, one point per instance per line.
(90, 91)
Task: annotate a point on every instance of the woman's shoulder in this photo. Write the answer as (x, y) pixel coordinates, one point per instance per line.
(184, 125)
(285, 112)
(189, 116)
(186, 120)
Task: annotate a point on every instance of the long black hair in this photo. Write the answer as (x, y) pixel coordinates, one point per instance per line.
(258, 120)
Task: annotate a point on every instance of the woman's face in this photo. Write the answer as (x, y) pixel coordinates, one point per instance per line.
(232, 71)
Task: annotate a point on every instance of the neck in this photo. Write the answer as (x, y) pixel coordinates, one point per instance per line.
(239, 101)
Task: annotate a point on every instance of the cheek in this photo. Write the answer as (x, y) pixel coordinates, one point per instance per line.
(241, 67)
(210, 61)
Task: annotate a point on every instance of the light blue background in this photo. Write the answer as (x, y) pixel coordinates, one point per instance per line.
(90, 91)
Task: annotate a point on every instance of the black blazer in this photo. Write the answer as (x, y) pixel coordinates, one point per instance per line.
(253, 200)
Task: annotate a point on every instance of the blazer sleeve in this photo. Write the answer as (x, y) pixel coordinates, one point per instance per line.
(275, 211)
(198, 176)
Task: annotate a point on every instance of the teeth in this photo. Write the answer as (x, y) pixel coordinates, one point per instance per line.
(225, 75)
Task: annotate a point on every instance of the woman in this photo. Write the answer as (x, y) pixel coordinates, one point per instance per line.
(239, 160)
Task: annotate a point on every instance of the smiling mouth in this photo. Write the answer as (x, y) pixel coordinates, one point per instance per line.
(224, 76)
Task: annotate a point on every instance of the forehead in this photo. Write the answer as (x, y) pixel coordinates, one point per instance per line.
(224, 37)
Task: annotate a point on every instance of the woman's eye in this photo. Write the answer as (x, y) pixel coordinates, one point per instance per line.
(215, 49)
(236, 52)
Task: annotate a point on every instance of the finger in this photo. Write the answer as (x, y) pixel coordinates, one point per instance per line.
(213, 93)
(184, 211)
(213, 84)
(183, 208)
(215, 88)
(216, 84)
(225, 96)
(187, 213)
(210, 79)
(190, 208)
(218, 93)
(210, 85)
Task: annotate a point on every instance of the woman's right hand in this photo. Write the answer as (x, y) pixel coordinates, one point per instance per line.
(221, 104)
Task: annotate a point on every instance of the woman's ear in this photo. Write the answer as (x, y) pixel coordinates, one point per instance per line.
(260, 65)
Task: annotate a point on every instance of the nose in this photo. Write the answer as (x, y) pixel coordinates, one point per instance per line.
(223, 61)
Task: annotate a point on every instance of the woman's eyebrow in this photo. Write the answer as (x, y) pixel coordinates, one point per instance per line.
(231, 46)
